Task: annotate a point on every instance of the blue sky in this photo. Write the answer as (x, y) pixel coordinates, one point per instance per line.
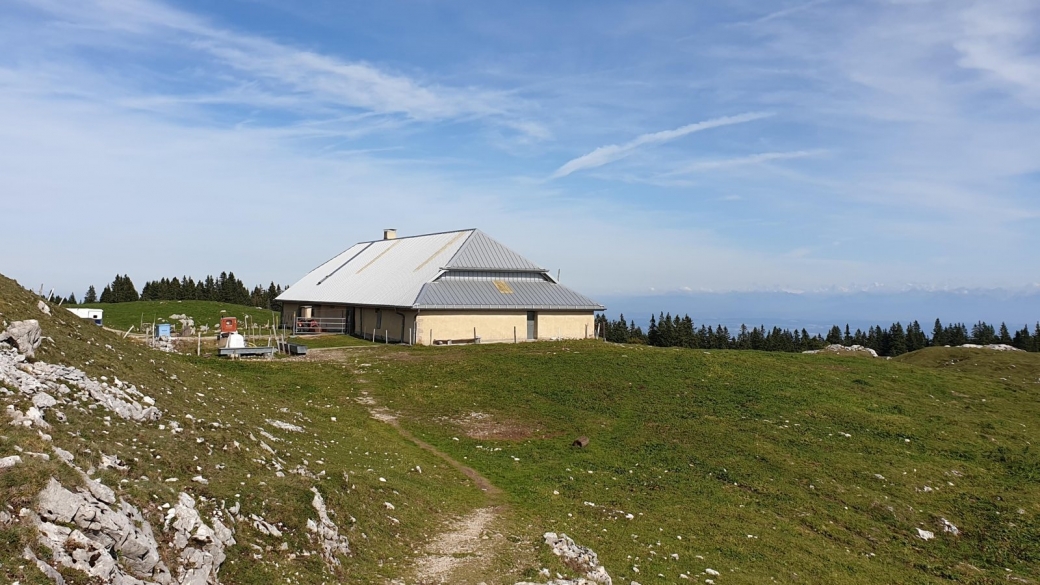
(641, 148)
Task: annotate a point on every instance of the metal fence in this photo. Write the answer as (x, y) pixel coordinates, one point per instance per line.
(313, 325)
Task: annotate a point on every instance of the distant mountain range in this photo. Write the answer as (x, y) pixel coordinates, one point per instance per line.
(818, 311)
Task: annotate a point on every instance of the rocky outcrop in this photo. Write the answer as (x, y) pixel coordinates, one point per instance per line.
(327, 533)
(23, 336)
(993, 346)
(840, 349)
(105, 537)
(201, 546)
(84, 532)
(49, 385)
(579, 559)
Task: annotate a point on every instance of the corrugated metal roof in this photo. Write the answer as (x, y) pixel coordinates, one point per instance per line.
(484, 294)
(387, 273)
(482, 251)
(404, 272)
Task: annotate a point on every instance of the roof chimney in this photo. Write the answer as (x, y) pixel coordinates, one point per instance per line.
(390, 234)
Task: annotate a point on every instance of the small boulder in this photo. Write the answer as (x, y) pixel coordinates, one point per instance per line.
(25, 336)
(43, 400)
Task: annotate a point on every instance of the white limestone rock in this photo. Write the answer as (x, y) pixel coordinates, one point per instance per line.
(43, 401)
(24, 336)
(578, 558)
(101, 534)
(332, 542)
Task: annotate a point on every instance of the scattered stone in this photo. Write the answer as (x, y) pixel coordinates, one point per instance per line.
(578, 558)
(112, 462)
(265, 527)
(10, 461)
(949, 527)
(925, 534)
(332, 543)
(34, 379)
(285, 426)
(66, 456)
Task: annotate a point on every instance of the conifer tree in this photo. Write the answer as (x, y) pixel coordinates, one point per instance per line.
(666, 329)
(1023, 340)
(956, 334)
(915, 337)
(1005, 335)
(653, 336)
(91, 296)
(897, 340)
(743, 338)
(983, 333)
(939, 334)
(687, 338)
(834, 335)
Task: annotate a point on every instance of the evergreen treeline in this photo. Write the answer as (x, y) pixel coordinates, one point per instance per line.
(122, 290)
(225, 288)
(666, 330)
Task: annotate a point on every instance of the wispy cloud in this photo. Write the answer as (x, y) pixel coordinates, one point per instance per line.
(998, 44)
(610, 153)
(754, 159)
(786, 11)
(280, 74)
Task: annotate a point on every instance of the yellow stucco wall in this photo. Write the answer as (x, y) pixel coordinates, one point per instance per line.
(570, 325)
(500, 326)
(491, 326)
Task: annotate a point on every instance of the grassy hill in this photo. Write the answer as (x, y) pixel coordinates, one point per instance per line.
(763, 467)
(123, 315)
(357, 463)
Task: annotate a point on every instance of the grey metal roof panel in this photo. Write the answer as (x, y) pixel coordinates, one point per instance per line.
(484, 294)
(481, 251)
(404, 272)
(382, 273)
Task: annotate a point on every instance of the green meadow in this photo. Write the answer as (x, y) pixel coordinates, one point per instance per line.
(122, 315)
(763, 467)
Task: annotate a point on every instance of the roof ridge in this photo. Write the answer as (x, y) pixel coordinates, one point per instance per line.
(461, 246)
(506, 258)
(420, 235)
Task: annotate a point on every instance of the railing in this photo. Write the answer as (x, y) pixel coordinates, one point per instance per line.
(313, 325)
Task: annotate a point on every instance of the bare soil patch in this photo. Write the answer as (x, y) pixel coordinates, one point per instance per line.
(480, 425)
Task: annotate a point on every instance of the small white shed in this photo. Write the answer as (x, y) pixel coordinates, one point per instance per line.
(94, 315)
